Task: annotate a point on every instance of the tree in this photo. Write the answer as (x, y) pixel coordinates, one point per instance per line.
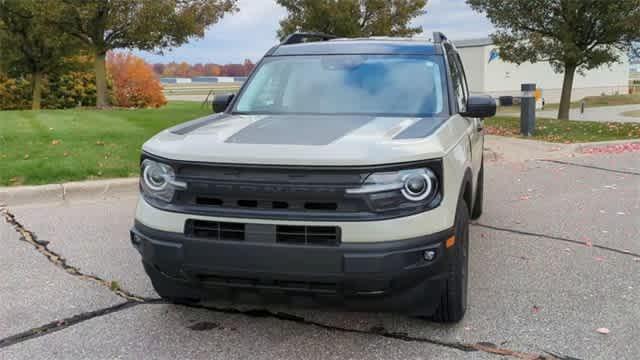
(351, 17)
(572, 35)
(134, 82)
(29, 45)
(104, 25)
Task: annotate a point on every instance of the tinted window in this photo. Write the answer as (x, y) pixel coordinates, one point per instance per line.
(347, 84)
(457, 77)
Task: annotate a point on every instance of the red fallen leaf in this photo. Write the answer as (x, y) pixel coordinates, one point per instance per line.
(603, 330)
(599, 258)
(535, 309)
(524, 197)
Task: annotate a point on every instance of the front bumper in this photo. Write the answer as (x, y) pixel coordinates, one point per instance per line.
(391, 275)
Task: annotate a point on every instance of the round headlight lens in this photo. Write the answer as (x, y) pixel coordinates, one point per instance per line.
(156, 176)
(417, 187)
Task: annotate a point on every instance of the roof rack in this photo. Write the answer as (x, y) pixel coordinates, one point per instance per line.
(439, 37)
(300, 37)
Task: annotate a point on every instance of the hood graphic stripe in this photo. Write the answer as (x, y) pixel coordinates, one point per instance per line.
(192, 125)
(299, 129)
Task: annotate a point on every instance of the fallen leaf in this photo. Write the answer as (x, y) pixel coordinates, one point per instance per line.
(599, 258)
(100, 143)
(524, 197)
(55, 142)
(535, 309)
(603, 330)
(26, 156)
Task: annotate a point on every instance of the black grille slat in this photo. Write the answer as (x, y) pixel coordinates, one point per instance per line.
(286, 234)
(212, 230)
(308, 235)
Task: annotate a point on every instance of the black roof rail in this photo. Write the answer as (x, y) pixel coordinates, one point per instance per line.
(439, 37)
(299, 37)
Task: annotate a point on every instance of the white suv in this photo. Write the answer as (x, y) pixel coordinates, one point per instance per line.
(345, 171)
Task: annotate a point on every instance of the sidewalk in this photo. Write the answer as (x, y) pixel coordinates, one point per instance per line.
(520, 150)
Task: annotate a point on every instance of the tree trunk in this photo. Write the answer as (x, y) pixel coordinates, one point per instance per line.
(567, 87)
(102, 98)
(36, 94)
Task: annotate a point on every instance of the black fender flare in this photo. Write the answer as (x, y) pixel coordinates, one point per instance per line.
(466, 188)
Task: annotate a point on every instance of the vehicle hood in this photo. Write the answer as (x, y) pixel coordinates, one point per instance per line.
(305, 139)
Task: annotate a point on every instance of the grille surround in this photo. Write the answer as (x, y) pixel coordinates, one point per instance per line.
(282, 191)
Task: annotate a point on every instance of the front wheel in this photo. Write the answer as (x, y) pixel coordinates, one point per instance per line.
(453, 301)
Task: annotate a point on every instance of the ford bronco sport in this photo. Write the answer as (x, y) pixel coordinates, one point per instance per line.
(345, 171)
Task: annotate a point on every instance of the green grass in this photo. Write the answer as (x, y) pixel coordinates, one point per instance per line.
(53, 146)
(565, 131)
(590, 101)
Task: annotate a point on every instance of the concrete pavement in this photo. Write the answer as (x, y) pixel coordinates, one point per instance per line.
(554, 257)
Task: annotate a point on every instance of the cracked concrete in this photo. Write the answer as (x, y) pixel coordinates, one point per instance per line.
(32, 291)
(59, 261)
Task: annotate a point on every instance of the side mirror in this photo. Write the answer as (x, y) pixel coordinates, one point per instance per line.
(220, 102)
(480, 106)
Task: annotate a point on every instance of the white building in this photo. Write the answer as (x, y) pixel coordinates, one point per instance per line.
(487, 73)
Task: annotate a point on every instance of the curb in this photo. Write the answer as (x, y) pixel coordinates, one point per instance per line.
(584, 147)
(66, 192)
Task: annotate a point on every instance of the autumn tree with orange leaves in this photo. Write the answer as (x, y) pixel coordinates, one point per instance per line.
(134, 82)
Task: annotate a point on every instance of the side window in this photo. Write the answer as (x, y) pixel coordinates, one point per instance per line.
(457, 77)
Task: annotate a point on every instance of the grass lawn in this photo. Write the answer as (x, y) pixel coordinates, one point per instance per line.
(53, 146)
(565, 131)
(590, 101)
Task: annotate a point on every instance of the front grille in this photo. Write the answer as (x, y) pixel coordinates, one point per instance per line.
(308, 235)
(273, 284)
(280, 193)
(213, 230)
(286, 234)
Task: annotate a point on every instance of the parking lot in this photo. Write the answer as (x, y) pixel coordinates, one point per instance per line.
(554, 264)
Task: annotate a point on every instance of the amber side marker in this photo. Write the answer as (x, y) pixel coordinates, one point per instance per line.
(450, 242)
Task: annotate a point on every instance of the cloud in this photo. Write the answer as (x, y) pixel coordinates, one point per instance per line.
(250, 32)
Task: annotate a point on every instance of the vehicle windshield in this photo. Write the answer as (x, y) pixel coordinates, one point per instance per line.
(391, 85)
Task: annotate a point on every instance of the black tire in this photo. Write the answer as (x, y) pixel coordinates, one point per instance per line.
(453, 301)
(477, 205)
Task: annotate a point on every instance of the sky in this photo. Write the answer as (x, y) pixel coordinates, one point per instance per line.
(249, 33)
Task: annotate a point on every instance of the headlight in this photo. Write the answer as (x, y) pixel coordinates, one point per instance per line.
(401, 189)
(159, 180)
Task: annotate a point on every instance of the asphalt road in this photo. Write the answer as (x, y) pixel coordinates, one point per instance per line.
(555, 257)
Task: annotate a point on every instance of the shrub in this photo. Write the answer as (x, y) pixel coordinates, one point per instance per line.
(75, 88)
(69, 86)
(134, 82)
(15, 94)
